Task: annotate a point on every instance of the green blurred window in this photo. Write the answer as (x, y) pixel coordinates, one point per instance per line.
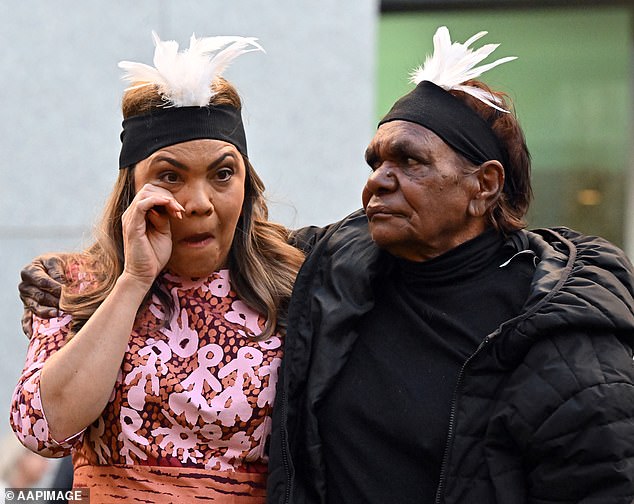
(571, 88)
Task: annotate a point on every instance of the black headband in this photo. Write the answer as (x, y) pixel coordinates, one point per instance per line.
(451, 119)
(144, 134)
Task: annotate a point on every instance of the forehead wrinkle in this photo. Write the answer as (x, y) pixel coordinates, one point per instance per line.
(402, 141)
(407, 145)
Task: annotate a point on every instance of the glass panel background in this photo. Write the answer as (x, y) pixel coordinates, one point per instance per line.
(570, 85)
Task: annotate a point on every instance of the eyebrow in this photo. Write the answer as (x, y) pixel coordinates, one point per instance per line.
(401, 147)
(177, 164)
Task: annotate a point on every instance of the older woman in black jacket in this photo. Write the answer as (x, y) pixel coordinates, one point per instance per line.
(439, 353)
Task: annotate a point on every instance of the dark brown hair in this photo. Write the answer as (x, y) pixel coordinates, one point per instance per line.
(507, 214)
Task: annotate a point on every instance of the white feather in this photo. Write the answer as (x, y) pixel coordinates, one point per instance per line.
(452, 64)
(184, 78)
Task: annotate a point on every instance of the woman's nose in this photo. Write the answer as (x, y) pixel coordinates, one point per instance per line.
(382, 179)
(198, 200)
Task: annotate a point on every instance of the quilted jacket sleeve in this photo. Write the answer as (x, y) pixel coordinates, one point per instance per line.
(307, 237)
(572, 419)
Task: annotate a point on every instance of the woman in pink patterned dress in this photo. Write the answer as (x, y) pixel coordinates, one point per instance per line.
(159, 376)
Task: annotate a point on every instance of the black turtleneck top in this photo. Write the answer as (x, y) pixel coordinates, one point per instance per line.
(385, 421)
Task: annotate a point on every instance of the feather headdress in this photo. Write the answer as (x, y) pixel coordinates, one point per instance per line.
(452, 64)
(183, 78)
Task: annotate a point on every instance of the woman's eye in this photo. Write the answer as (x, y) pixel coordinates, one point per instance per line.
(374, 163)
(169, 177)
(224, 174)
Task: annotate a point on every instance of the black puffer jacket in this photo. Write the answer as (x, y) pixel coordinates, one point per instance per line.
(543, 412)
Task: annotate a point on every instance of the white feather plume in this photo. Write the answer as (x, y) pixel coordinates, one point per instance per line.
(183, 78)
(452, 64)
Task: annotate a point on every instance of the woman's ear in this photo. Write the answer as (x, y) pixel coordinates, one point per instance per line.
(490, 180)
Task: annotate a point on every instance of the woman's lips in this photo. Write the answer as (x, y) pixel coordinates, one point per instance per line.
(378, 212)
(197, 240)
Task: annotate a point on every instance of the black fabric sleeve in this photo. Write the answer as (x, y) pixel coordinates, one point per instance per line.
(570, 414)
(305, 238)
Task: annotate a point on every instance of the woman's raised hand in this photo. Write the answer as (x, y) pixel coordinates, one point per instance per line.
(147, 238)
(77, 381)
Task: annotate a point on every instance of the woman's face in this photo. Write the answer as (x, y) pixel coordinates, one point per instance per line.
(207, 178)
(418, 195)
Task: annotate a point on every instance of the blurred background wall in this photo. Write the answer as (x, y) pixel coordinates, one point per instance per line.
(331, 70)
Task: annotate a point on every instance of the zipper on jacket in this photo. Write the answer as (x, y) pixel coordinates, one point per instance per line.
(285, 455)
(452, 419)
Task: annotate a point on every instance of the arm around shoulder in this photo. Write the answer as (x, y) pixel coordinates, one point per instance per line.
(40, 288)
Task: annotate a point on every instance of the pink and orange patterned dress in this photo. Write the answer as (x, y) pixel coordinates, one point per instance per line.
(190, 412)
